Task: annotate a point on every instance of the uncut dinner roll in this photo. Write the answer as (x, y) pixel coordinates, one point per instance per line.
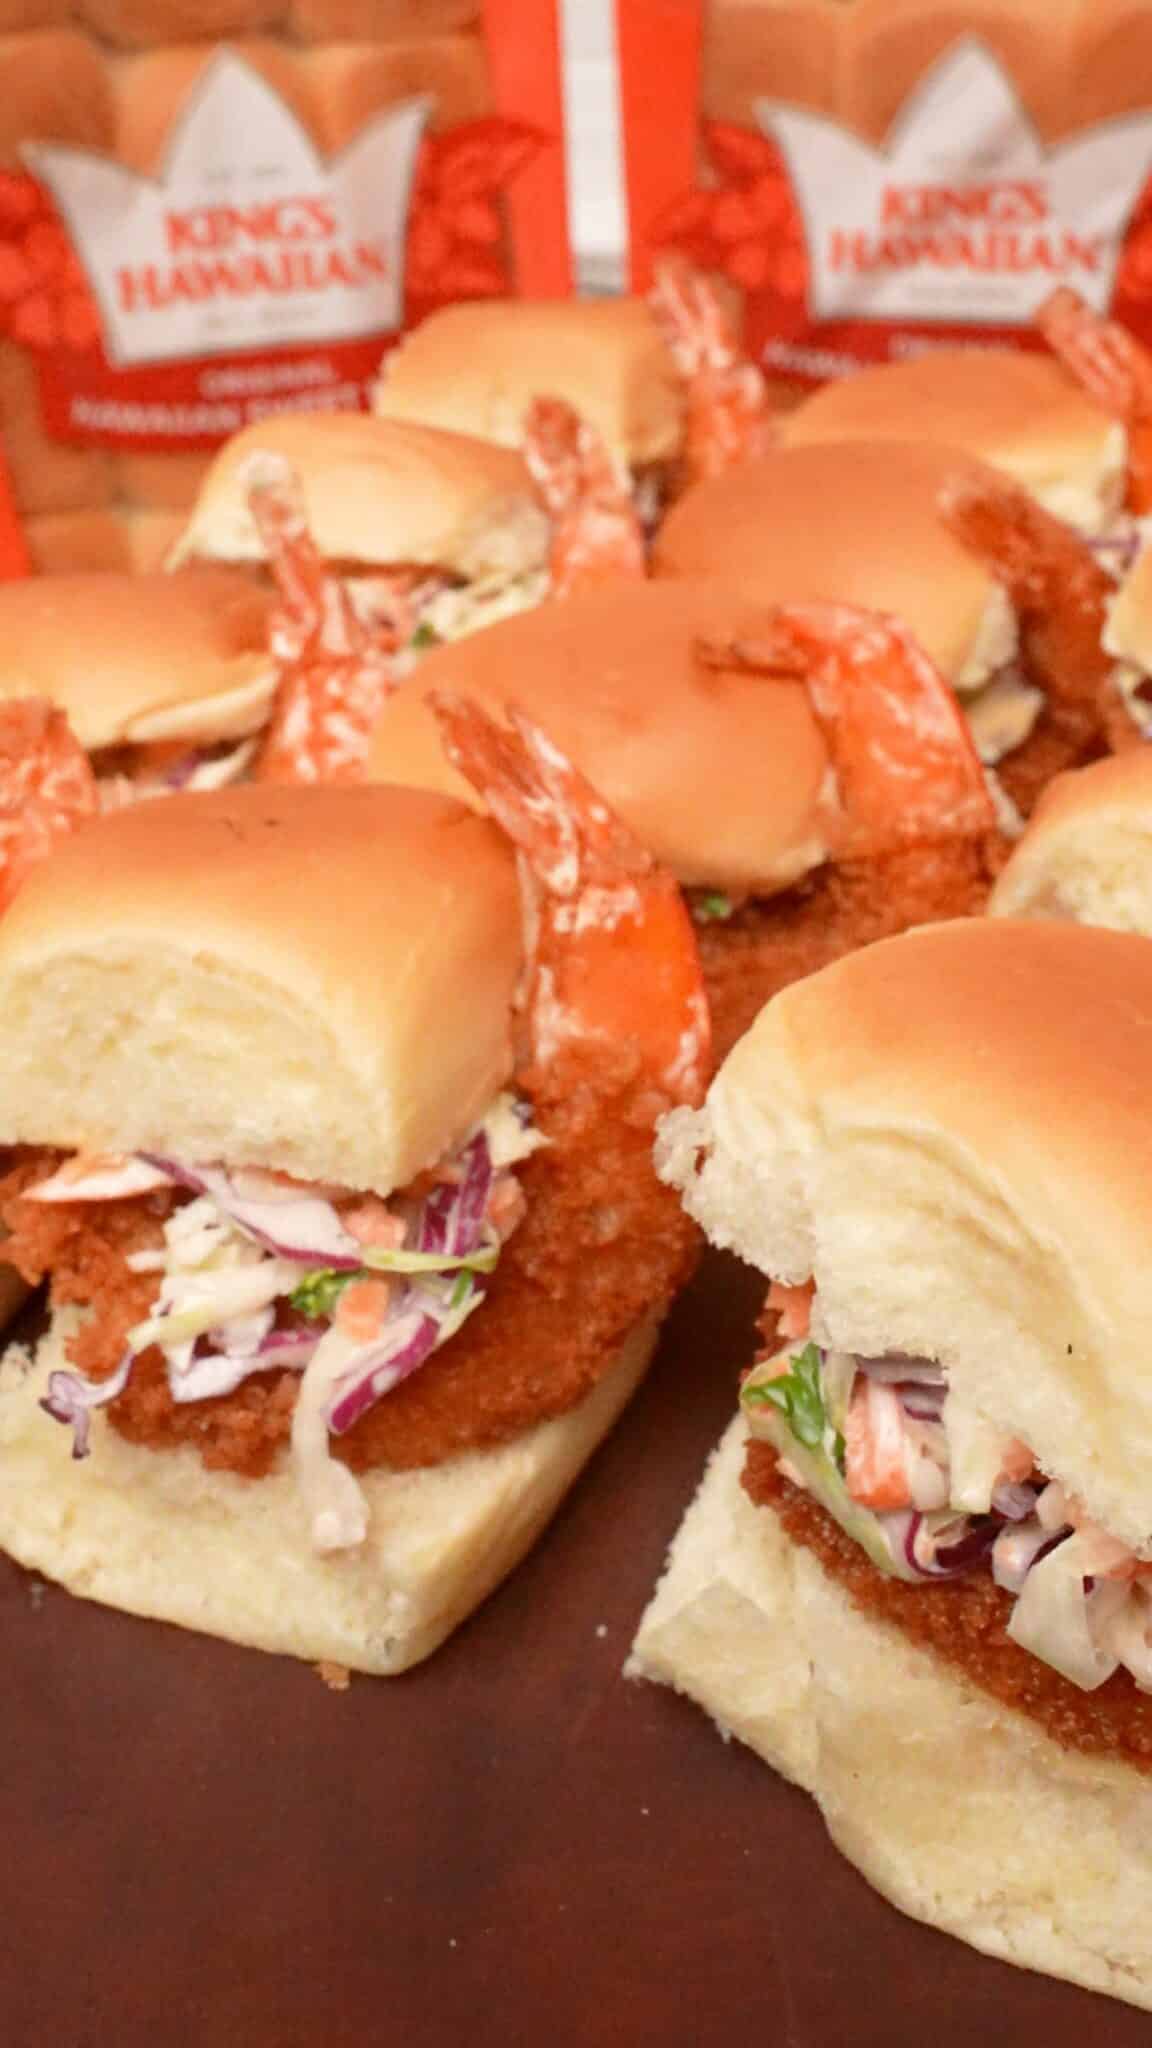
(719, 774)
(1022, 413)
(115, 952)
(961, 1812)
(140, 658)
(1087, 853)
(379, 492)
(476, 369)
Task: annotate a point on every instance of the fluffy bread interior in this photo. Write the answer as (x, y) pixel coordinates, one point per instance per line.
(949, 1132)
(156, 1534)
(1087, 853)
(961, 1812)
(319, 980)
(1128, 633)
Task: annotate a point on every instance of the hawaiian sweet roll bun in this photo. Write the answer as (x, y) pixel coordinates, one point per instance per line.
(854, 523)
(906, 1126)
(140, 658)
(947, 1133)
(318, 980)
(1021, 413)
(477, 367)
(322, 982)
(963, 1812)
(718, 773)
(1127, 637)
(157, 1534)
(379, 493)
(1087, 853)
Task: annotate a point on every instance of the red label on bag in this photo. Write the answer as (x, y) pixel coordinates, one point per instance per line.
(953, 228)
(250, 274)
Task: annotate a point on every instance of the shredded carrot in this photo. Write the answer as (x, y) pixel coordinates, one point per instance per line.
(874, 1449)
(361, 1309)
(793, 1307)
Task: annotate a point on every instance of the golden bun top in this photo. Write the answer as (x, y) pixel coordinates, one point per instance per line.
(951, 1132)
(378, 491)
(317, 979)
(716, 772)
(140, 658)
(850, 522)
(477, 367)
(1018, 411)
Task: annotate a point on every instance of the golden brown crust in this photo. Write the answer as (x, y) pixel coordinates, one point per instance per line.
(602, 1245)
(768, 945)
(965, 1624)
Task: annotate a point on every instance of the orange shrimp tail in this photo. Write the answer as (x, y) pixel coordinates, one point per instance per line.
(906, 767)
(1059, 589)
(727, 421)
(1115, 370)
(46, 787)
(335, 671)
(616, 955)
(596, 532)
(1109, 362)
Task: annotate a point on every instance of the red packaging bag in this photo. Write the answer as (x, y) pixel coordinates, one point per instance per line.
(194, 234)
(873, 177)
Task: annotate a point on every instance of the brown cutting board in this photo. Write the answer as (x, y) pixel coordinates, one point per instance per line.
(203, 1847)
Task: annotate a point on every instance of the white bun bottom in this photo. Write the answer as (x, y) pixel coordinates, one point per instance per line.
(156, 1534)
(959, 1811)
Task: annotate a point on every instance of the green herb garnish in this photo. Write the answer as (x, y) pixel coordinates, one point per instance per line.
(798, 1397)
(713, 908)
(319, 1291)
(425, 636)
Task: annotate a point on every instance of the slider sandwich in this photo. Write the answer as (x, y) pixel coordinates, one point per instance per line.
(1025, 414)
(434, 532)
(333, 1113)
(803, 772)
(917, 1577)
(477, 367)
(1009, 603)
(166, 681)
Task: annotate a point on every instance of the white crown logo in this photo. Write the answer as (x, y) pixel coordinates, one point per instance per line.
(963, 214)
(247, 238)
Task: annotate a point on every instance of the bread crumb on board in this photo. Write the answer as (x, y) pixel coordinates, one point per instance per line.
(336, 1677)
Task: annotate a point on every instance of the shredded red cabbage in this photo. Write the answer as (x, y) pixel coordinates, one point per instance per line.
(405, 1346)
(71, 1399)
(318, 1238)
(452, 1219)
